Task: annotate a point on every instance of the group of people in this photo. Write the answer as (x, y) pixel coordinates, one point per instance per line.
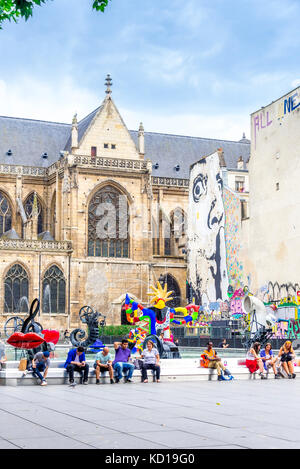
(121, 365)
(258, 359)
(263, 359)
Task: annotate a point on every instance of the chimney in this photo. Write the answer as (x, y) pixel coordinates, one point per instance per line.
(221, 158)
(141, 140)
(240, 163)
(74, 144)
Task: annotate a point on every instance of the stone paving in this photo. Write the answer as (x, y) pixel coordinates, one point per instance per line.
(236, 414)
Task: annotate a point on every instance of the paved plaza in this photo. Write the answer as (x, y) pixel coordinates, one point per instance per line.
(237, 414)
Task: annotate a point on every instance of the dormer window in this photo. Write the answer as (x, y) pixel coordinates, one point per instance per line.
(93, 151)
(105, 145)
(240, 184)
(240, 163)
(113, 146)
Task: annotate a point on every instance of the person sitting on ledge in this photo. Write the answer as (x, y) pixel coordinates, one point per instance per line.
(121, 360)
(76, 362)
(287, 355)
(223, 344)
(2, 353)
(103, 362)
(41, 363)
(211, 360)
(151, 362)
(254, 361)
(268, 359)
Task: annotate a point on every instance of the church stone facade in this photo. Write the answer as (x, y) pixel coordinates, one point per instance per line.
(53, 179)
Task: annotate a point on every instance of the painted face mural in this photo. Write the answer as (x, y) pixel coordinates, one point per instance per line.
(206, 239)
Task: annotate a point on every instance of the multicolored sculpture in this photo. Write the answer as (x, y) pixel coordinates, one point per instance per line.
(158, 317)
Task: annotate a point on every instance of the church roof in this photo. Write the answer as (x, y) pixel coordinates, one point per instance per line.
(30, 139)
(39, 143)
(83, 125)
(174, 154)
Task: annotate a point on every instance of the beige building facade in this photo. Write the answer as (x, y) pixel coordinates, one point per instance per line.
(274, 228)
(58, 185)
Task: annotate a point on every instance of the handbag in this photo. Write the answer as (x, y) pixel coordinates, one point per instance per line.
(138, 363)
(23, 364)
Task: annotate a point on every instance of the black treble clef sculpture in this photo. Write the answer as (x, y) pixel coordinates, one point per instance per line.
(29, 324)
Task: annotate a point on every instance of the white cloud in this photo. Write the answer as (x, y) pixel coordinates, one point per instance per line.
(30, 98)
(222, 126)
(295, 83)
(58, 102)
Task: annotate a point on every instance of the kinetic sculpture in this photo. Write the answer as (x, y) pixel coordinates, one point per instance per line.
(259, 328)
(91, 318)
(156, 319)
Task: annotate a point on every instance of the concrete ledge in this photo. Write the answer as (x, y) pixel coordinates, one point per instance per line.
(171, 370)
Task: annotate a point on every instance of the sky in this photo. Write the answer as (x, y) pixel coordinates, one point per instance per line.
(185, 67)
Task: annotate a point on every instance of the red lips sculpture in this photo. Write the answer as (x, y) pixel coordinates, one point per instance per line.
(25, 341)
(51, 336)
(32, 340)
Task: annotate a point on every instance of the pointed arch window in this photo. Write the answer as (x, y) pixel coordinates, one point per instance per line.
(53, 216)
(178, 231)
(172, 285)
(108, 220)
(54, 291)
(28, 206)
(5, 214)
(16, 287)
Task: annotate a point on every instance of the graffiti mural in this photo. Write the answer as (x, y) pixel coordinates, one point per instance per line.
(285, 292)
(289, 329)
(207, 269)
(232, 207)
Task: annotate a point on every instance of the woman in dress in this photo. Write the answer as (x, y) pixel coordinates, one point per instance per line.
(254, 361)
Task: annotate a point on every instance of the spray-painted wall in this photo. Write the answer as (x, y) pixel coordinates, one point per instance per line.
(207, 271)
(233, 239)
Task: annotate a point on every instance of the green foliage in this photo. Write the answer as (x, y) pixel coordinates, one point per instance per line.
(115, 330)
(14, 9)
(100, 5)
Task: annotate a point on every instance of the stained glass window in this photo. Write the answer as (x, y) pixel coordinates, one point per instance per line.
(16, 290)
(108, 218)
(28, 206)
(5, 214)
(54, 291)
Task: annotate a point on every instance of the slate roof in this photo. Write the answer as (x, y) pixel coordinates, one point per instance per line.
(83, 125)
(29, 139)
(172, 150)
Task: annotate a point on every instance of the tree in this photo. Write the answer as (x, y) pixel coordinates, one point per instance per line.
(14, 9)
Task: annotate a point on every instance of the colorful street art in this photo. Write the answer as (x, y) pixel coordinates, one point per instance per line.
(289, 329)
(232, 207)
(214, 239)
(207, 270)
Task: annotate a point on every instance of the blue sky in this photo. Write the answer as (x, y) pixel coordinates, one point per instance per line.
(193, 67)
